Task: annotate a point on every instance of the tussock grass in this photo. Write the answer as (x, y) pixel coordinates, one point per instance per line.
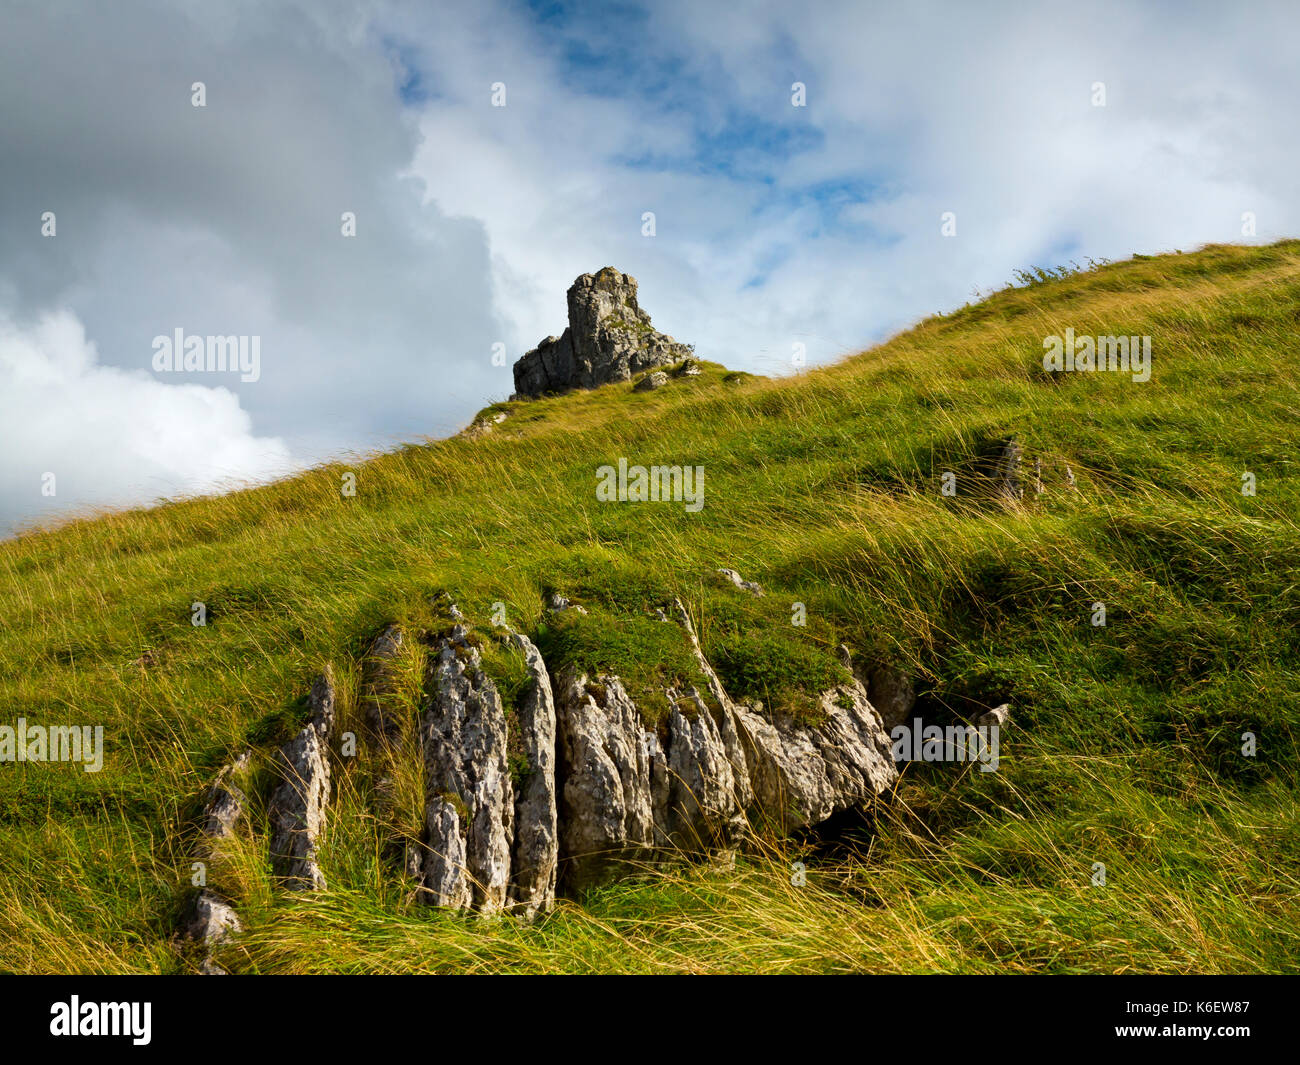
(1125, 747)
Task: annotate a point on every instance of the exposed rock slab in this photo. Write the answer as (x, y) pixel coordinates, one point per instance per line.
(535, 853)
(803, 775)
(296, 810)
(469, 802)
(607, 761)
(724, 716)
(702, 809)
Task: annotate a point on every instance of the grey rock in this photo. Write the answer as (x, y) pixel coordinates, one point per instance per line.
(296, 810)
(212, 922)
(535, 853)
(702, 811)
(724, 716)
(1007, 482)
(226, 801)
(998, 716)
(651, 381)
(445, 862)
(609, 338)
(469, 802)
(557, 603)
(484, 425)
(742, 584)
(607, 760)
(891, 692)
(802, 775)
(690, 368)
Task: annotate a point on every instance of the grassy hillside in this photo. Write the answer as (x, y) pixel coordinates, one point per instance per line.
(1125, 746)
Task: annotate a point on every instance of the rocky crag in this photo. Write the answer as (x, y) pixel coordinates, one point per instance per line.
(609, 338)
(568, 786)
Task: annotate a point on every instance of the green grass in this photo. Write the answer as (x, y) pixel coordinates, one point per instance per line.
(1125, 745)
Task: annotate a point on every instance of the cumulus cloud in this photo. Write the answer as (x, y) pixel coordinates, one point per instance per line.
(73, 429)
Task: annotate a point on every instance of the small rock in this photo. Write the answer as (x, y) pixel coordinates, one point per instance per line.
(558, 603)
(651, 381)
(690, 368)
(485, 424)
(1008, 484)
(211, 922)
(226, 801)
(998, 716)
(739, 582)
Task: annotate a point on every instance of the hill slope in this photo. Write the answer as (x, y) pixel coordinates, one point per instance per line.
(1126, 742)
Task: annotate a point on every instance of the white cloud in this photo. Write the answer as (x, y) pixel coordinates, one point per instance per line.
(111, 436)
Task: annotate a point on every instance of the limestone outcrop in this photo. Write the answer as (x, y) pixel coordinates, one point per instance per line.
(608, 338)
(566, 786)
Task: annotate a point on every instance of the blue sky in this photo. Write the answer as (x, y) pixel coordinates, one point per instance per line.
(776, 225)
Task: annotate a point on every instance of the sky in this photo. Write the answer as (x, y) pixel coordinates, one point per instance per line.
(799, 162)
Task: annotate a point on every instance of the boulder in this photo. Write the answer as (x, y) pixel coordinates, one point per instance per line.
(891, 692)
(651, 381)
(212, 920)
(745, 586)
